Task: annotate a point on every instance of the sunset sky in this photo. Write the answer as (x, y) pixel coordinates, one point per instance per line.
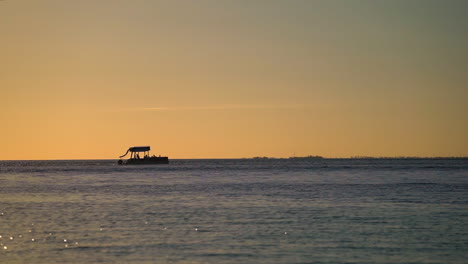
(87, 79)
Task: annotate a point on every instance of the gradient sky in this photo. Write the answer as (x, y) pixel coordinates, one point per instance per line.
(228, 79)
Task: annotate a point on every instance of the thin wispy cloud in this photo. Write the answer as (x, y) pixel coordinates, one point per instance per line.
(223, 107)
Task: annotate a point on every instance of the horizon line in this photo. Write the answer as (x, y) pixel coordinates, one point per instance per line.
(272, 158)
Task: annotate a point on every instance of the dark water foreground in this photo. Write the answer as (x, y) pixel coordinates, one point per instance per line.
(235, 211)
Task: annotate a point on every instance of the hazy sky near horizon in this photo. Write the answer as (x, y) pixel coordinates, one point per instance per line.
(229, 79)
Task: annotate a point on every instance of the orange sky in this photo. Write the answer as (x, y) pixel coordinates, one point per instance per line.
(232, 79)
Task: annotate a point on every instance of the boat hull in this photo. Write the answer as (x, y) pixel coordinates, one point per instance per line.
(145, 161)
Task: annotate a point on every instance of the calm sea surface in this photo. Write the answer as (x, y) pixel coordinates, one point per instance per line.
(235, 211)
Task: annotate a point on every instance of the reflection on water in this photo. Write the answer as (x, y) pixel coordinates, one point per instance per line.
(231, 211)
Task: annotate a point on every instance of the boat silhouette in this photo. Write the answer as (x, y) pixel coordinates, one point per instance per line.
(135, 158)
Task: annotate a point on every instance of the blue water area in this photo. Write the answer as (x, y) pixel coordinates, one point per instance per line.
(235, 211)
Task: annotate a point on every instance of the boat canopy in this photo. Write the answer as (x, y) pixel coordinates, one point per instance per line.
(137, 149)
(140, 149)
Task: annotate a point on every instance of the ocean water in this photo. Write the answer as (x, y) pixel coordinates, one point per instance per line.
(235, 211)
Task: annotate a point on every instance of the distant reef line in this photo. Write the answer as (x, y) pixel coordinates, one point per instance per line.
(313, 157)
